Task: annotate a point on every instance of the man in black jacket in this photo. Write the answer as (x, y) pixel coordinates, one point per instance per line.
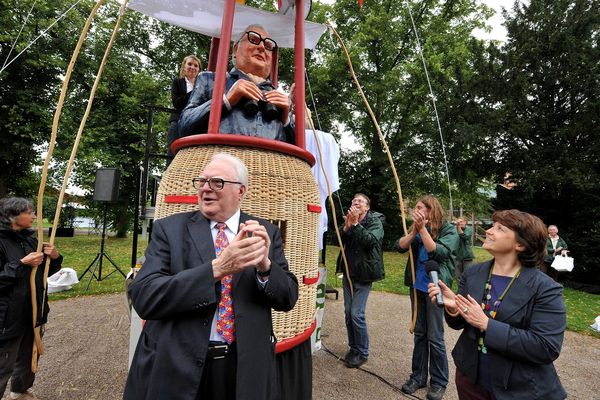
(362, 238)
(18, 254)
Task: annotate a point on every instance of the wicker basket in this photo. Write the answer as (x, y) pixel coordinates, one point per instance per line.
(280, 188)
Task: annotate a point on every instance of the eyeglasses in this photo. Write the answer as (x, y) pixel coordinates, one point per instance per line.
(255, 39)
(213, 183)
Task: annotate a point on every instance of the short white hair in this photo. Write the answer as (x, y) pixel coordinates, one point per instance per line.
(240, 168)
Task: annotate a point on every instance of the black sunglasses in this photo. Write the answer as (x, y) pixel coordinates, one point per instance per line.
(255, 39)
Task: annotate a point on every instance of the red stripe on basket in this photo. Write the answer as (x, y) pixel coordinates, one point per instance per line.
(287, 344)
(314, 208)
(181, 199)
(310, 281)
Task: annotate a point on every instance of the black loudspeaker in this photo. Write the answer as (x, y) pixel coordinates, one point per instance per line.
(106, 187)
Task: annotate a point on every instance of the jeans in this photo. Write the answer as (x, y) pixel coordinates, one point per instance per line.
(430, 348)
(354, 310)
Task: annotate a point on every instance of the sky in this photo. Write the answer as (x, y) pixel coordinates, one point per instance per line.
(498, 32)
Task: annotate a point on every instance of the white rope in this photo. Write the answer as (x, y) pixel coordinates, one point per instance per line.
(437, 118)
(40, 35)
(19, 34)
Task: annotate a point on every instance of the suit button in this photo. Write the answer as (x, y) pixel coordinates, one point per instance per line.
(205, 322)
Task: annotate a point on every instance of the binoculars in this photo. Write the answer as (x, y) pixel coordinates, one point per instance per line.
(269, 110)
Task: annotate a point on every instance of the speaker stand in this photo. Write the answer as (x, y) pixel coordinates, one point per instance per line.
(97, 262)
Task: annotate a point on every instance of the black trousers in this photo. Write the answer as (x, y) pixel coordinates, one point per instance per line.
(218, 375)
(15, 362)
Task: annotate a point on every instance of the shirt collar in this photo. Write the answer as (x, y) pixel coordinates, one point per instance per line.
(233, 223)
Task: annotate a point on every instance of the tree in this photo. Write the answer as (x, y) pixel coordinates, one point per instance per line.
(382, 44)
(550, 109)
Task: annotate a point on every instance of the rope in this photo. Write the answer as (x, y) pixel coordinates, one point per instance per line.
(332, 204)
(437, 117)
(390, 159)
(312, 98)
(40, 35)
(38, 347)
(19, 34)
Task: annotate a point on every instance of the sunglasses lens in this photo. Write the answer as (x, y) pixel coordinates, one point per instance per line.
(254, 38)
(270, 44)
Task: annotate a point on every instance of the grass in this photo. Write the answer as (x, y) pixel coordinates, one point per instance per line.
(79, 251)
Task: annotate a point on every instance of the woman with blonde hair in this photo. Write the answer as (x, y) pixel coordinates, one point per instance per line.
(433, 242)
(181, 89)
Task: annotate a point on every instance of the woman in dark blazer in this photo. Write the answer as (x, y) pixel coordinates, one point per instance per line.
(181, 89)
(512, 315)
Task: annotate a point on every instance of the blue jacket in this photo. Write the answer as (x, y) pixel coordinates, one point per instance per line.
(523, 340)
(194, 118)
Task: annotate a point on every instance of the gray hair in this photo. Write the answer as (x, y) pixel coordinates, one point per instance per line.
(250, 27)
(240, 168)
(11, 208)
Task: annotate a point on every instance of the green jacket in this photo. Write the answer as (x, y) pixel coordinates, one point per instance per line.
(444, 254)
(363, 249)
(550, 249)
(465, 245)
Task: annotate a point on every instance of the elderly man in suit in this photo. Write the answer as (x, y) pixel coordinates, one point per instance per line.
(251, 105)
(206, 291)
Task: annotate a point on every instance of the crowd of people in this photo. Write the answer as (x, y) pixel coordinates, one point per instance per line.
(211, 277)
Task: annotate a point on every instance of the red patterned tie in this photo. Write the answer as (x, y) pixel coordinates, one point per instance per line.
(225, 318)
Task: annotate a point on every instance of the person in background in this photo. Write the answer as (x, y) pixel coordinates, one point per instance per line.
(512, 316)
(251, 104)
(206, 290)
(555, 245)
(464, 254)
(430, 238)
(18, 255)
(181, 89)
(362, 238)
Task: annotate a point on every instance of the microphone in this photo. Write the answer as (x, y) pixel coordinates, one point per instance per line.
(433, 268)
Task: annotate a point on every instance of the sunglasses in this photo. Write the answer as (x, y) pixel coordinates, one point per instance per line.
(255, 39)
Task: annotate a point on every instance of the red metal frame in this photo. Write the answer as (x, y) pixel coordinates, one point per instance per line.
(244, 141)
(222, 60)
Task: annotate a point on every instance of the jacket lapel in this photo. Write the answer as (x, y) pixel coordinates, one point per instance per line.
(478, 282)
(199, 229)
(518, 295)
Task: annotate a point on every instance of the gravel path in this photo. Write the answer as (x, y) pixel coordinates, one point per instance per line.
(87, 342)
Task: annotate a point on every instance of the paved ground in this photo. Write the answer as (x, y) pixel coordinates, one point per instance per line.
(88, 337)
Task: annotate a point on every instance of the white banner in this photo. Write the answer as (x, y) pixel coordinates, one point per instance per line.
(205, 17)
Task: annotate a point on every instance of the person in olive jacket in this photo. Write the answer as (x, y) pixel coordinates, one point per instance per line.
(362, 238)
(464, 254)
(18, 254)
(431, 238)
(555, 246)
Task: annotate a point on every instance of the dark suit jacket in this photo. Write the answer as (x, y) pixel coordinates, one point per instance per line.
(179, 97)
(176, 294)
(524, 339)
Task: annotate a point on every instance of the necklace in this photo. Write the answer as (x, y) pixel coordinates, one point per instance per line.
(492, 310)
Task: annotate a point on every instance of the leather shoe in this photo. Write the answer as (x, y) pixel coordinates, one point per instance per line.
(411, 386)
(355, 361)
(435, 393)
(351, 353)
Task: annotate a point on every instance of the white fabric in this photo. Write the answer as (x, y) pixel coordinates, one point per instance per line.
(596, 325)
(189, 86)
(331, 156)
(205, 17)
(62, 280)
(563, 263)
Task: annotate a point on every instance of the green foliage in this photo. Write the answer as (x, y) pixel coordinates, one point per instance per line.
(79, 252)
(550, 104)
